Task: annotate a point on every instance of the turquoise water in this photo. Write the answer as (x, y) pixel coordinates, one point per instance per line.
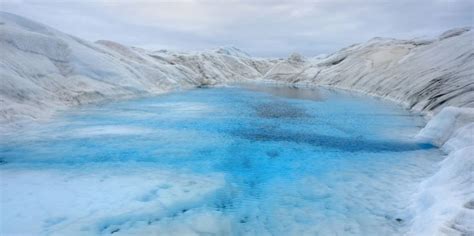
(296, 161)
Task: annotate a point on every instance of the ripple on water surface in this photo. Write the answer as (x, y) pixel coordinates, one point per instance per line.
(252, 160)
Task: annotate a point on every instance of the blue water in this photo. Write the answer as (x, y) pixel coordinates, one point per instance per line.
(298, 161)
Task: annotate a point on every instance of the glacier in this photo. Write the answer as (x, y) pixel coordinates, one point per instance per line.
(43, 71)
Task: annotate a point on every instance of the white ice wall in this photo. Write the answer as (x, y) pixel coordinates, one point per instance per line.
(444, 204)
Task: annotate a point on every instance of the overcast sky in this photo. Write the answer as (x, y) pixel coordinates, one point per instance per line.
(267, 28)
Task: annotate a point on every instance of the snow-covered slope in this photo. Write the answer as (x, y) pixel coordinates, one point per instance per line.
(444, 204)
(423, 75)
(218, 66)
(43, 70)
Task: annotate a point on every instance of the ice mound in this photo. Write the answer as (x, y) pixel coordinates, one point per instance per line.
(454, 32)
(463, 137)
(446, 124)
(444, 203)
(232, 51)
(286, 70)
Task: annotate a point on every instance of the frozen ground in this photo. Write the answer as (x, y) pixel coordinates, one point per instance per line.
(223, 161)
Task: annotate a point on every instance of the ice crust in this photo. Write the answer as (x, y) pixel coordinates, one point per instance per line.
(444, 203)
(43, 70)
(134, 192)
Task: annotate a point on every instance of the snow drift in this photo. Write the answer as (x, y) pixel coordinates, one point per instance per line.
(43, 70)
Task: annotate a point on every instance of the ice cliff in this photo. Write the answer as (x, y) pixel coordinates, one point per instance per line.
(43, 70)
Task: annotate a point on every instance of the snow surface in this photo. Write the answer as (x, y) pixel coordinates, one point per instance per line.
(43, 70)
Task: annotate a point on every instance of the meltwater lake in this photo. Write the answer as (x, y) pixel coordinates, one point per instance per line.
(238, 160)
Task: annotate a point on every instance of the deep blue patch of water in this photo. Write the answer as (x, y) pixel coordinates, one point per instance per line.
(298, 160)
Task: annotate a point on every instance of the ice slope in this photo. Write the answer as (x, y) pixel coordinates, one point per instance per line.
(42, 70)
(218, 66)
(444, 204)
(423, 75)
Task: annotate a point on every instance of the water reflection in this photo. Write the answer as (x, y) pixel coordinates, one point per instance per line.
(346, 144)
(286, 91)
(279, 110)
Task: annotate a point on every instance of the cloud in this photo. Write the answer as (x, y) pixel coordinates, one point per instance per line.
(263, 28)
